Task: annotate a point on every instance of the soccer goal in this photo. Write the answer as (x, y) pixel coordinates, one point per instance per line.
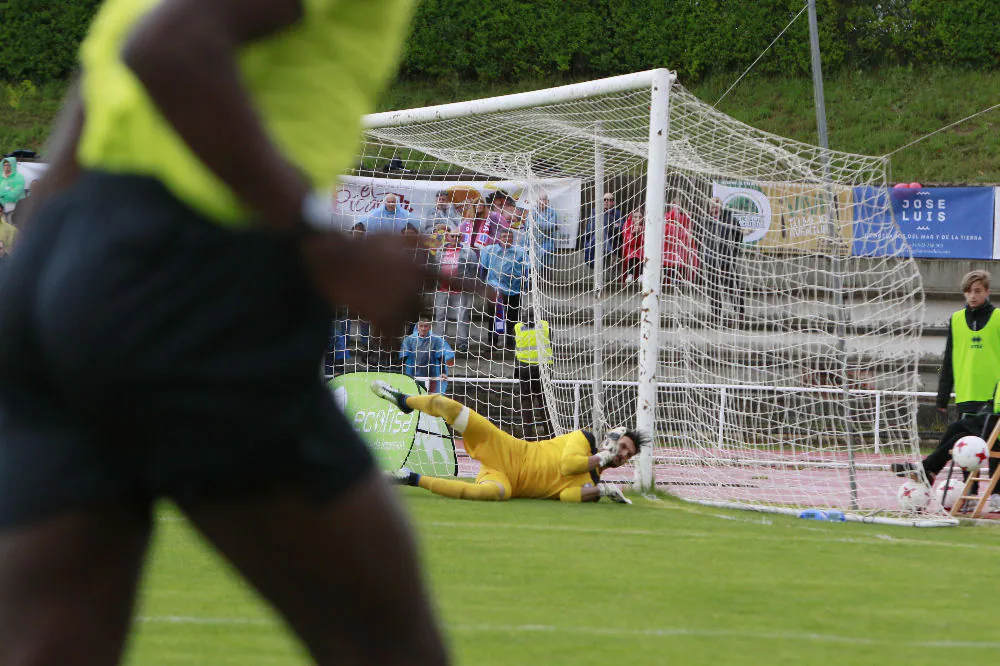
(744, 297)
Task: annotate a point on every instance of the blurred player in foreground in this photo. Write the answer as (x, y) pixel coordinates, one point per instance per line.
(566, 468)
(163, 323)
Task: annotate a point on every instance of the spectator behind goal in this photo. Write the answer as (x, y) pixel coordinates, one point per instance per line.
(534, 349)
(454, 261)
(427, 356)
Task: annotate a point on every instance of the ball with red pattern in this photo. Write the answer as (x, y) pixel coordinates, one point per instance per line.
(913, 496)
(970, 453)
(947, 492)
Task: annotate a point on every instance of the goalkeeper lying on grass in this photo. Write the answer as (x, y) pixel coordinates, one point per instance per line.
(566, 468)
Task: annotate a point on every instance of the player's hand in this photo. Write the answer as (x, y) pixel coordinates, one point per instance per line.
(379, 276)
(613, 492)
(606, 456)
(608, 450)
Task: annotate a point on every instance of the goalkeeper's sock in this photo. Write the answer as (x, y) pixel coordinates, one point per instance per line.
(485, 492)
(435, 404)
(405, 476)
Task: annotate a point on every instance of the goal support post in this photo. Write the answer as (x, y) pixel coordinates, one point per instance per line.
(652, 270)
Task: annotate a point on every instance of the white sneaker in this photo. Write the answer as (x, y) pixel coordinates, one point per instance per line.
(993, 504)
(613, 492)
(386, 392)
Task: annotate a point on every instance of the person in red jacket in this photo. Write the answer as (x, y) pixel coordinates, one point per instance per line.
(680, 258)
(632, 248)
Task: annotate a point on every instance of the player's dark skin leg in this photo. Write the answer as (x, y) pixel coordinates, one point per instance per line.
(343, 573)
(68, 585)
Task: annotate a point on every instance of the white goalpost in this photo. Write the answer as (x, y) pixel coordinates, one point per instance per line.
(743, 297)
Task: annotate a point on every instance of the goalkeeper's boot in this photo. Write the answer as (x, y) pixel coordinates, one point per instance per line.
(386, 392)
(613, 492)
(404, 476)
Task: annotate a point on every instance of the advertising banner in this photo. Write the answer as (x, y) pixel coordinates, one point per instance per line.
(996, 223)
(31, 171)
(415, 440)
(939, 222)
(789, 216)
(356, 197)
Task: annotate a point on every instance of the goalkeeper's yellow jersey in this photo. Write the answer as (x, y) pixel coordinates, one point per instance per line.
(544, 469)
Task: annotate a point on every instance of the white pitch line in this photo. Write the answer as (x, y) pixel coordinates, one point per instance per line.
(189, 619)
(858, 539)
(666, 632)
(718, 633)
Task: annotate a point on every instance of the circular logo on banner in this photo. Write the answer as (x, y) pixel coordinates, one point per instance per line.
(752, 211)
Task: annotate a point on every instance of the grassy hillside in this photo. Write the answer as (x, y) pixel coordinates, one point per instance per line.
(868, 112)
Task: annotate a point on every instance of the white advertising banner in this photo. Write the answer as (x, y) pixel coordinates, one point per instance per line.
(356, 197)
(751, 209)
(31, 171)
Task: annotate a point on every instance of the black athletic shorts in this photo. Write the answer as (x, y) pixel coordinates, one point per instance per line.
(146, 352)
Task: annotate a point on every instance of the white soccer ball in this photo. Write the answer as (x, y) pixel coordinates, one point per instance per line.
(970, 453)
(954, 489)
(913, 496)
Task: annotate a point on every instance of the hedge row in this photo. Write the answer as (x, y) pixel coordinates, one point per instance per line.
(39, 40)
(511, 39)
(514, 39)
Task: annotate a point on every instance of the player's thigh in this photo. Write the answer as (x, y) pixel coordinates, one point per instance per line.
(487, 443)
(495, 476)
(73, 529)
(68, 584)
(342, 571)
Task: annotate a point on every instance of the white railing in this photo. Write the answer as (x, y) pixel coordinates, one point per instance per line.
(724, 392)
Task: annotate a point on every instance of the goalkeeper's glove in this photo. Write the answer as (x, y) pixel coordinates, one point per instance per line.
(609, 447)
(613, 492)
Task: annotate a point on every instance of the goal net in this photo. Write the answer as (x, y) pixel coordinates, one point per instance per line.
(745, 297)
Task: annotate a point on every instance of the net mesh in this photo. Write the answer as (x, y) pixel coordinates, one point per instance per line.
(790, 307)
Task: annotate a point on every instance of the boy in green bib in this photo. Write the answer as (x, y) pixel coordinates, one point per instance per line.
(970, 368)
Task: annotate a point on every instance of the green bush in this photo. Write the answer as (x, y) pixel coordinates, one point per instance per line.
(39, 40)
(510, 40)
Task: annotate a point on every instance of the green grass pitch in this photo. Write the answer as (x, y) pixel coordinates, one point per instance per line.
(534, 582)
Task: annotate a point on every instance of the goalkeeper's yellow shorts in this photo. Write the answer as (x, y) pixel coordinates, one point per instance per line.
(491, 446)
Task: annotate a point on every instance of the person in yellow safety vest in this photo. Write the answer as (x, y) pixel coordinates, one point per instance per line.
(971, 366)
(533, 347)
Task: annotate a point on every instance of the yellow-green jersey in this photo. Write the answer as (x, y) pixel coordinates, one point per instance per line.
(975, 358)
(310, 85)
(546, 468)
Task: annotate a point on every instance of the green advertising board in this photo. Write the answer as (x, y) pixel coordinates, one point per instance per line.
(421, 442)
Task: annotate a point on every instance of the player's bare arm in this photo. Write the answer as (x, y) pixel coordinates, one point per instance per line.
(187, 49)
